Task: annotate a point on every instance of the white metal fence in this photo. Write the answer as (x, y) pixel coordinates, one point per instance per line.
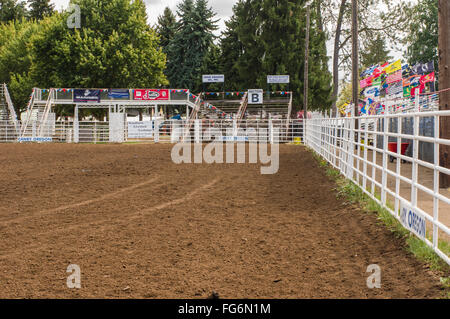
(156, 131)
(403, 179)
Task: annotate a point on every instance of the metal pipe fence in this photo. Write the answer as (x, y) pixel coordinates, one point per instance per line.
(156, 131)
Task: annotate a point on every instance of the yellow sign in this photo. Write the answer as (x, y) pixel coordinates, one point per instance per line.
(297, 140)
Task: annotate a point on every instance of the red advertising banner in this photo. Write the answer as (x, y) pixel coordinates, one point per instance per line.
(151, 95)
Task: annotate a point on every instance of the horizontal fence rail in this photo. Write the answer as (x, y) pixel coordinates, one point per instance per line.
(394, 159)
(118, 130)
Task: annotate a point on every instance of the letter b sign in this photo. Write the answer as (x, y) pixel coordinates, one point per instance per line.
(255, 96)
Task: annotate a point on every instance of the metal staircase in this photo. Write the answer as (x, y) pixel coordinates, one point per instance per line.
(9, 125)
(35, 123)
(242, 108)
(192, 117)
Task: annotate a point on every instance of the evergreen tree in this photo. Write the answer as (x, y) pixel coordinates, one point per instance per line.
(268, 37)
(40, 8)
(248, 29)
(12, 10)
(374, 53)
(231, 49)
(212, 65)
(188, 48)
(166, 28)
(422, 40)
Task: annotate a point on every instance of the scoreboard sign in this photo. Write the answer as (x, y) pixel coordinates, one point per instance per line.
(277, 79)
(255, 96)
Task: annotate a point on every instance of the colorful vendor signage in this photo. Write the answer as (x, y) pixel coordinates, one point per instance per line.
(395, 66)
(394, 77)
(427, 78)
(151, 95)
(85, 96)
(423, 68)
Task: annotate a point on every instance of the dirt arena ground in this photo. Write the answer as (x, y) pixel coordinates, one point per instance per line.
(140, 226)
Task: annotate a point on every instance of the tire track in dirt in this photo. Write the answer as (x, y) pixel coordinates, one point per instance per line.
(130, 217)
(79, 204)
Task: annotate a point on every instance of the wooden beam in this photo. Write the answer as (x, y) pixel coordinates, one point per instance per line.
(444, 83)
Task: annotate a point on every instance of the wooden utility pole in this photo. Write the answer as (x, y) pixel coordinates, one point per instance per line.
(306, 84)
(355, 70)
(444, 83)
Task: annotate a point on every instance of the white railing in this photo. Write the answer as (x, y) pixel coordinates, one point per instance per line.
(157, 131)
(409, 188)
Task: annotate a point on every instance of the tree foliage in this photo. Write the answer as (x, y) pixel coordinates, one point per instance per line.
(375, 52)
(422, 32)
(115, 47)
(166, 27)
(12, 10)
(268, 37)
(187, 50)
(38, 9)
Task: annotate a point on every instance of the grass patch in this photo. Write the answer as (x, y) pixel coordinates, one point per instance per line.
(353, 194)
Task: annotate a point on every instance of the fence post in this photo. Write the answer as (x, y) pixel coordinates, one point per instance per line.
(156, 131)
(76, 126)
(385, 155)
(197, 129)
(436, 182)
(270, 131)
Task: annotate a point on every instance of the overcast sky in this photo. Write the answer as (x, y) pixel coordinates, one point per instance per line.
(223, 8)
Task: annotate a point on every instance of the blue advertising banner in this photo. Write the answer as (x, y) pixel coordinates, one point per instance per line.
(81, 95)
(119, 94)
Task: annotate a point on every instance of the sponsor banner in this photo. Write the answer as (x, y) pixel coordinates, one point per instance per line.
(395, 77)
(232, 139)
(365, 83)
(368, 71)
(81, 95)
(424, 68)
(413, 80)
(407, 91)
(151, 95)
(118, 93)
(376, 81)
(395, 88)
(140, 130)
(427, 78)
(417, 89)
(372, 109)
(35, 139)
(278, 79)
(372, 92)
(413, 220)
(213, 78)
(395, 66)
